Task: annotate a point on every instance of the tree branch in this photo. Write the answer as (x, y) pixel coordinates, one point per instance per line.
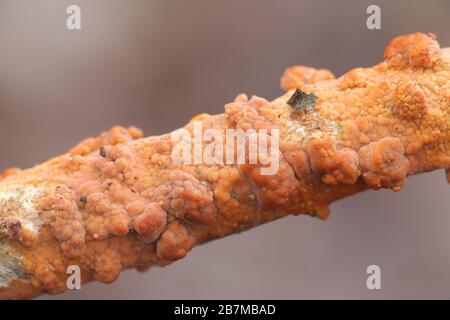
(122, 201)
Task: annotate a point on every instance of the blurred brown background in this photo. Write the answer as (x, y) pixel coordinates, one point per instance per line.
(154, 64)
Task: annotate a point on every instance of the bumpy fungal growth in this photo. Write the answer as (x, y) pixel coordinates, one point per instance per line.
(114, 136)
(297, 158)
(174, 243)
(409, 101)
(336, 166)
(384, 163)
(271, 190)
(415, 50)
(151, 222)
(296, 77)
(185, 197)
(121, 201)
(8, 172)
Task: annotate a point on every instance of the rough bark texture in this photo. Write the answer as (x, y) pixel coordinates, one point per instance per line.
(119, 201)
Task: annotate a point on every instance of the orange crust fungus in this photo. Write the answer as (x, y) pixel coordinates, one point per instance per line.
(120, 201)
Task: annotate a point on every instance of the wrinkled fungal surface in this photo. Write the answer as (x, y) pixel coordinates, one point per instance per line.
(120, 201)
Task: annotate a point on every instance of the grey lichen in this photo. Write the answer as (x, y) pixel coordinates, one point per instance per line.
(17, 210)
(10, 265)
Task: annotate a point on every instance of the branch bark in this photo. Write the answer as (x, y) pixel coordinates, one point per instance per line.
(122, 201)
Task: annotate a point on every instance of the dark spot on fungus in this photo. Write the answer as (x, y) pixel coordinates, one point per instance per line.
(102, 152)
(83, 199)
(301, 100)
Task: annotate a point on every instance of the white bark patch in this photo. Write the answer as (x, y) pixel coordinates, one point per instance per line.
(19, 203)
(10, 265)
